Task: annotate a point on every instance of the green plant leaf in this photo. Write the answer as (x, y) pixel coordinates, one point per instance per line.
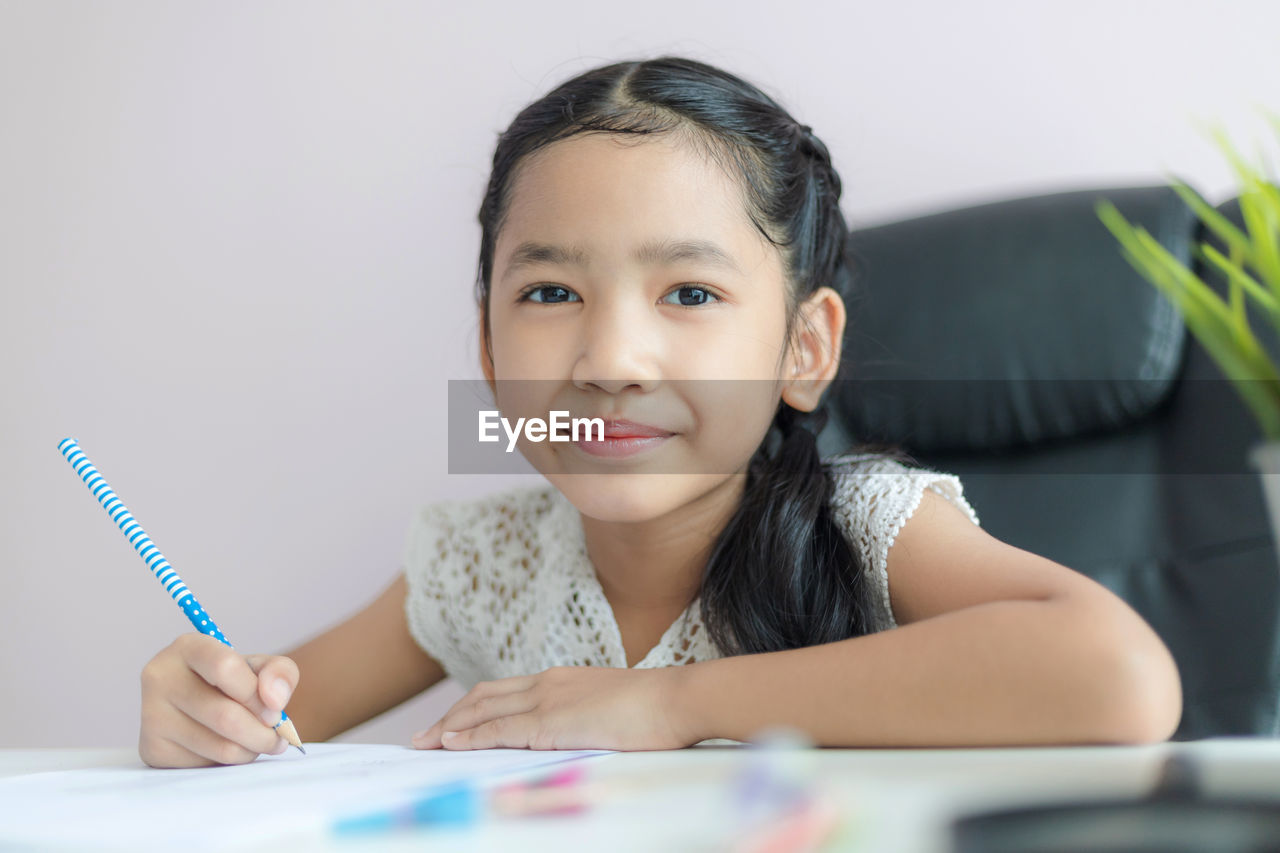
(1204, 310)
(1140, 256)
(1244, 172)
(1264, 229)
(1274, 119)
(1251, 373)
(1222, 328)
(1220, 225)
(1247, 367)
(1195, 290)
(1195, 299)
(1268, 201)
(1261, 217)
(1271, 199)
(1240, 277)
(1198, 311)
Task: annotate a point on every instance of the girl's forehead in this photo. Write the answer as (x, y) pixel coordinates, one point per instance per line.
(592, 188)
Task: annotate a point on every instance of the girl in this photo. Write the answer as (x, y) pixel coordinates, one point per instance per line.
(701, 573)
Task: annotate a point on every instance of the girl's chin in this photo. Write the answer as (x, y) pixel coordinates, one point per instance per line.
(627, 497)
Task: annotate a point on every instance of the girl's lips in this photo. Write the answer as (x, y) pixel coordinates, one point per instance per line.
(631, 429)
(619, 446)
(621, 438)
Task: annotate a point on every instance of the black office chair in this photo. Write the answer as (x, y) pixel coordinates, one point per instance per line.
(1012, 344)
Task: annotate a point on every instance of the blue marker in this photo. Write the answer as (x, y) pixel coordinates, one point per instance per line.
(159, 566)
(454, 804)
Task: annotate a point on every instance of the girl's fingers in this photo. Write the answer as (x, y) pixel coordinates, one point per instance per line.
(197, 737)
(225, 718)
(513, 732)
(494, 688)
(468, 714)
(485, 689)
(277, 678)
(174, 755)
(235, 675)
(486, 709)
(220, 666)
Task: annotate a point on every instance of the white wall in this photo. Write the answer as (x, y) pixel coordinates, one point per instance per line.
(237, 246)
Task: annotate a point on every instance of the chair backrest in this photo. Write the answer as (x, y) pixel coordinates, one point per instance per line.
(1012, 344)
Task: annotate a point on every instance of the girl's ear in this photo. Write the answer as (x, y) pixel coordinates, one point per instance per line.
(814, 356)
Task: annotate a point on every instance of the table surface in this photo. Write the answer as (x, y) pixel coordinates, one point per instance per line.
(891, 799)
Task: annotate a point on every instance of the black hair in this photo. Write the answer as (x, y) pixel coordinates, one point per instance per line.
(781, 574)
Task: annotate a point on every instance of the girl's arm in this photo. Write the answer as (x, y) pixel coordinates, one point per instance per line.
(355, 671)
(995, 646)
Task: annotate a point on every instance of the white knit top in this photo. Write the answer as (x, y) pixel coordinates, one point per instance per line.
(502, 585)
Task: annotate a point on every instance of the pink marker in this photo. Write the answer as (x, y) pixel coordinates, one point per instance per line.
(803, 828)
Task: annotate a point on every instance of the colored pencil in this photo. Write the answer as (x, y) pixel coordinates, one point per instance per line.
(155, 561)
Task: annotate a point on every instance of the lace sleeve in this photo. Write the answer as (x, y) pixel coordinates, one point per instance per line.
(427, 559)
(477, 600)
(873, 499)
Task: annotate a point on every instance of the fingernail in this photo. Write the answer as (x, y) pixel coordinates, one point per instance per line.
(420, 735)
(280, 691)
(270, 717)
(280, 747)
(447, 735)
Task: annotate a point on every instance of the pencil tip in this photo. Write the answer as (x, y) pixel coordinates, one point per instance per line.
(304, 752)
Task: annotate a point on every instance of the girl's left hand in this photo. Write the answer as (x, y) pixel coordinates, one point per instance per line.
(567, 707)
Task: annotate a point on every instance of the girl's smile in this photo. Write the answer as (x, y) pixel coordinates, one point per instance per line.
(622, 438)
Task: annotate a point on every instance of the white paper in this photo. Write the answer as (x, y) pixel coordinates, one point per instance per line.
(205, 808)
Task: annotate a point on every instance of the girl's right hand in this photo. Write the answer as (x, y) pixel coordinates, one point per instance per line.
(204, 703)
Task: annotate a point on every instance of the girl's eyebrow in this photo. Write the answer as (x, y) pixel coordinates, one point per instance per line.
(530, 253)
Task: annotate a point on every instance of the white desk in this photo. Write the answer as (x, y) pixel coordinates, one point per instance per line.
(900, 800)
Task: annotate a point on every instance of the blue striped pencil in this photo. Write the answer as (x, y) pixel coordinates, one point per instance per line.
(159, 566)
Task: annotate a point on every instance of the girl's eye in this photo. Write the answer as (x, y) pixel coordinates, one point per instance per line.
(551, 293)
(692, 295)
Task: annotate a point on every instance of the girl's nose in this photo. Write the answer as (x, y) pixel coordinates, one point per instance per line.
(620, 347)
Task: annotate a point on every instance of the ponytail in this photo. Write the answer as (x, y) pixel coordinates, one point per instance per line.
(782, 574)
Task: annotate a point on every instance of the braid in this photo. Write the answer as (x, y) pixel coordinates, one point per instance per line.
(786, 519)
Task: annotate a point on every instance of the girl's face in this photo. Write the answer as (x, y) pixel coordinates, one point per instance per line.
(628, 283)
